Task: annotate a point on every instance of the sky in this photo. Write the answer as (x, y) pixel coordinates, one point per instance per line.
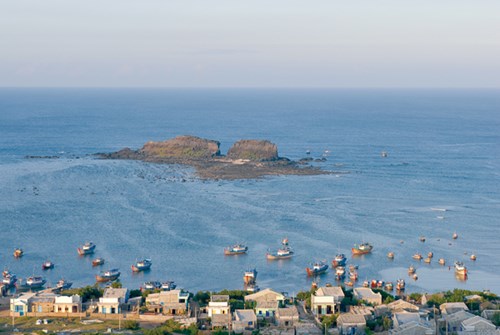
(255, 43)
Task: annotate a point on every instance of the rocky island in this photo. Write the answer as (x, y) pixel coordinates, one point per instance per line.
(246, 159)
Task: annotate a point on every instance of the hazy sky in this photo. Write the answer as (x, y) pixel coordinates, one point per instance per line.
(254, 43)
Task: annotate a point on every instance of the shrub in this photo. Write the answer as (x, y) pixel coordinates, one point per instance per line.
(131, 324)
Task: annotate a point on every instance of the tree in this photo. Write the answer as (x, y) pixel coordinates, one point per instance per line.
(131, 324)
(496, 319)
(116, 284)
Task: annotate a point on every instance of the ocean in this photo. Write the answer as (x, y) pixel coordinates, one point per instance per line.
(443, 152)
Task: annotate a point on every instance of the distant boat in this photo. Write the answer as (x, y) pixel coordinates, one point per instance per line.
(430, 254)
(437, 209)
(98, 261)
(472, 257)
(252, 288)
(86, 249)
(353, 275)
(107, 276)
(361, 249)
(236, 249)
(427, 260)
(460, 269)
(400, 285)
(417, 256)
(415, 277)
(47, 265)
(152, 285)
(317, 269)
(9, 279)
(18, 252)
(142, 265)
(250, 276)
(442, 261)
(63, 284)
(384, 154)
(339, 260)
(411, 269)
(339, 272)
(390, 255)
(349, 283)
(455, 236)
(284, 252)
(388, 286)
(366, 283)
(422, 238)
(168, 285)
(34, 282)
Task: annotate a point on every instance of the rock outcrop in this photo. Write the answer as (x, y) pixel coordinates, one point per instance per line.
(254, 150)
(186, 147)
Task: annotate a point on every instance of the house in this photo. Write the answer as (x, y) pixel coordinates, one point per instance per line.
(454, 321)
(452, 307)
(326, 300)
(489, 313)
(287, 317)
(478, 324)
(401, 305)
(68, 305)
(413, 328)
(219, 305)
(42, 303)
(21, 305)
(113, 301)
(174, 302)
(222, 320)
(244, 319)
(367, 295)
(400, 318)
(349, 323)
(266, 301)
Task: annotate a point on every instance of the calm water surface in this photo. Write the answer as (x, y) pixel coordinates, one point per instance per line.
(444, 152)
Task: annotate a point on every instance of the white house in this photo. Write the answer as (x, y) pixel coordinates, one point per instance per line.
(20, 305)
(367, 295)
(326, 300)
(113, 300)
(64, 304)
(218, 304)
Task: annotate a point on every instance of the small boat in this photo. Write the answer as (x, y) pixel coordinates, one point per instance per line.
(390, 255)
(98, 261)
(436, 209)
(168, 285)
(366, 283)
(18, 252)
(388, 286)
(152, 285)
(314, 285)
(353, 267)
(417, 256)
(400, 284)
(9, 279)
(353, 276)
(455, 236)
(430, 254)
(236, 249)
(284, 252)
(373, 283)
(253, 288)
(460, 269)
(106, 276)
(47, 265)
(415, 277)
(472, 257)
(86, 249)
(427, 260)
(411, 269)
(442, 261)
(339, 260)
(422, 238)
(361, 249)
(142, 265)
(349, 283)
(250, 276)
(63, 284)
(317, 269)
(35, 282)
(339, 272)
(380, 284)
(384, 154)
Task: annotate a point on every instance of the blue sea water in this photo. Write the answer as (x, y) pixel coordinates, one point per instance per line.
(443, 152)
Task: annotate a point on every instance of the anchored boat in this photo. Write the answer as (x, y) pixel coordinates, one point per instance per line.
(86, 249)
(106, 276)
(361, 249)
(47, 265)
(400, 285)
(417, 256)
(168, 285)
(142, 265)
(18, 252)
(236, 249)
(460, 269)
(284, 252)
(152, 285)
(317, 269)
(250, 277)
(63, 284)
(98, 261)
(339, 260)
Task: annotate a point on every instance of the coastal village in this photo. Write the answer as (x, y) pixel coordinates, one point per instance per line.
(162, 308)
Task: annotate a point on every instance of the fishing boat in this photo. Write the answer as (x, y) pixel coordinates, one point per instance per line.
(142, 265)
(339, 260)
(455, 236)
(427, 260)
(384, 154)
(366, 283)
(411, 269)
(380, 284)
(86, 249)
(460, 269)
(388, 286)
(168, 285)
(400, 284)
(441, 261)
(236, 249)
(353, 276)
(422, 238)
(361, 249)
(152, 285)
(107, 276)
(390, 255)
(317, 268)
(35, 282)
(47, 265)
(63, 284)
(9, 279)
(430, 254)
(353, 267)
(417, 256)
(98, 261)
(339, 272)
(349, 283)
(18, 252)
(415, 276)
(252, 288)
(473, 257)
(284, 252)
(250, 276)
(373, 283)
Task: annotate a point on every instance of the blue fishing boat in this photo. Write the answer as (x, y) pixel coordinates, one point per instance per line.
(142, 265)
(317, 268)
